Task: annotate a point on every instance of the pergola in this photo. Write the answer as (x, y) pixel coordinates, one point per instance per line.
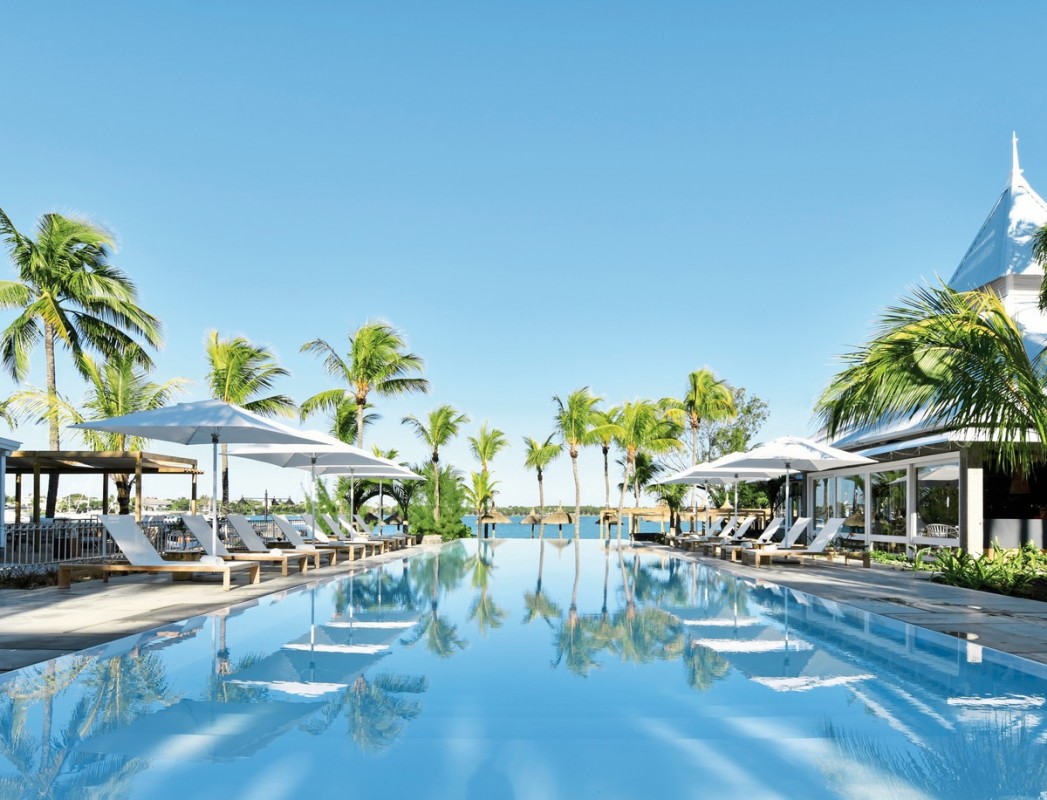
(88, 462)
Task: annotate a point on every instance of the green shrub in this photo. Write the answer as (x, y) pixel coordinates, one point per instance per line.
(28, 577)
(1022, 571)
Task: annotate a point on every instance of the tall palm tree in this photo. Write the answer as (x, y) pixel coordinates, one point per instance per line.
(376, 362)
(116, 387)
(538, 456)
(605, 422)
(487, 444)
(345, 421)
(1039, 251)
(642, 426)
(574, 423)
(706, 400)
(68, 294)
(958, 358)
(443, 425)
(241, 372)
(480, 494)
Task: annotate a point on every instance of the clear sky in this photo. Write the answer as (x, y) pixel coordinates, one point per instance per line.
(542, 196)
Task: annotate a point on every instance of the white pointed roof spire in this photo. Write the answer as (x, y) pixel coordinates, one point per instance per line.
(1003, 246)
(1015, 169)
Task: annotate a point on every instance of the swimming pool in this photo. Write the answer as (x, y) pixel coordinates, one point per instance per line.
(529, 670)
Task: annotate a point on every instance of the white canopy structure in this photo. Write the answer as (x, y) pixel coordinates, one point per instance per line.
(6, 446)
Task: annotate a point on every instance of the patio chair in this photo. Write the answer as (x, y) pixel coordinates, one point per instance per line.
(729, 552)
(198, 527)
(371, 546)
(710, 547)
(352, 548)
(794, 533)
(693, 542)
(816, 548)
(291, 534)
(142, 557)
(396, 541)
(253, 542)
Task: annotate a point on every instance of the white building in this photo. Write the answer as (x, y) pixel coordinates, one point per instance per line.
(934, 487)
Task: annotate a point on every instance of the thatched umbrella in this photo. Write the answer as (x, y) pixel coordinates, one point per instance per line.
(531, 519)
(559, 518)
(494, 517)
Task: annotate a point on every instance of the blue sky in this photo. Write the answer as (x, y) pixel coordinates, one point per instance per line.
(542, 196)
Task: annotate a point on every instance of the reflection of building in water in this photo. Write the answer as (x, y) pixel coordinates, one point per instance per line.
(934, 486)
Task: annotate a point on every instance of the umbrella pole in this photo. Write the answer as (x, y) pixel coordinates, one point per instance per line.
(788, 508)
(214, 492)
(312, 472)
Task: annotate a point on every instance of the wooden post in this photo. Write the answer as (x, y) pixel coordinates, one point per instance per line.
(18, 498)
(36, 492)
(192, 497)
(138, 486)
(105, 492)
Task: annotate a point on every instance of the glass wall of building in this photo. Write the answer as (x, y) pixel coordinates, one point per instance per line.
(850, 505)
(889, 493)
(938, 500)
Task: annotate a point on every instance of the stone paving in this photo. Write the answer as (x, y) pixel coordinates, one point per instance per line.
(44, 623)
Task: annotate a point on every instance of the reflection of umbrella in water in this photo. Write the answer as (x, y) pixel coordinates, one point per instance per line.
(308, 672)
(202, 730)
(531, 519)
(559, 518)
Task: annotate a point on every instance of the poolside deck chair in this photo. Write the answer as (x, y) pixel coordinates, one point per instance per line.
(693, 542)
(359, 527)
(142, 557)
(354, 549)
(710, 547)
(816, 548)
(291, 534)
(198, 527)
(371, 546)
(729, 552)
(794, 533)
(253, 542)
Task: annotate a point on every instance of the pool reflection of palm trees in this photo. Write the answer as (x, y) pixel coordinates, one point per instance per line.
(116, 692)
(443, 570)
(487, 614)
(536, 603)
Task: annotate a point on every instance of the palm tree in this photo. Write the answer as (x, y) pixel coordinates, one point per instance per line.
(538, 457)
(706, 400)
(376, 362)
(605, 422)
(480, 495)
(574, 424)
(68, 293)
(241, 372)
(642, 426)
(345, 420)
(443, 425)
(1039, 251)
(958, 358)
(487, 444)
(118, 386)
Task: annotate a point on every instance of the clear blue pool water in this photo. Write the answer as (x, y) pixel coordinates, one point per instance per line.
(522, 670)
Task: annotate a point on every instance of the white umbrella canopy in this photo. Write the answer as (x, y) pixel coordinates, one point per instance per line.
(324, 453)
(714, 472)
(794, 453)
(202, 422)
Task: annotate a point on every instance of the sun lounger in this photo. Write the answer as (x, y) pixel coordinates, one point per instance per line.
(816, 548)
(371, 546)
(142, 557)
(253, 542)
(198, 527)
(729, 552)
(352, 548)
(710, 547)
(693, 542)
(360, 529)
(291, 534)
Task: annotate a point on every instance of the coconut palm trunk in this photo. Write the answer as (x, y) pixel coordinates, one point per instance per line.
(629, 459)
(436, 486)
(52, 418)
(541, 508)
(694, 462)
(577, 494)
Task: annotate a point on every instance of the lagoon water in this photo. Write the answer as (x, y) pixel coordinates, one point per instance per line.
(520, 669)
